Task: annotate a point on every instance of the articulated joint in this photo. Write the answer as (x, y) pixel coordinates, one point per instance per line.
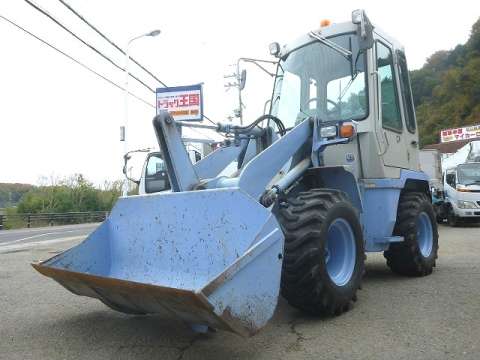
(270, 196)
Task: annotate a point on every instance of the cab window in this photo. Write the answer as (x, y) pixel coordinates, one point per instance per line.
(156, 177)
(450, 179)
(391, 118)
(155, 165)
(406, 92)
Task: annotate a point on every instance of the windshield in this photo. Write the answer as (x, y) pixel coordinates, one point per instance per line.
(318, 81)
(469, 174)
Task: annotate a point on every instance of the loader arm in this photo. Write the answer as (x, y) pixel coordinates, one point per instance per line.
(255, 175)
(184, 175)
(259, 171)
(180, 169)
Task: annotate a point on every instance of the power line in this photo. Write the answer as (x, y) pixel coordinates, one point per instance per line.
(73, 59)
(79, 63)
(94, 28)
(51, 17)
(111, 42)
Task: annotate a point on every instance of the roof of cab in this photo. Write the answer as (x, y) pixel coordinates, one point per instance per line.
(336, 29)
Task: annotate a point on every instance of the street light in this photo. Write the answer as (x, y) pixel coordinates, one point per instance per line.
(123, 129)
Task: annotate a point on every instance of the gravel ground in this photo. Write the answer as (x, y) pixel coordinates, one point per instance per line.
(436, 317)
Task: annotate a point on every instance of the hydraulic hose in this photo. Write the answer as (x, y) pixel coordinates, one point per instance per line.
(248, 129)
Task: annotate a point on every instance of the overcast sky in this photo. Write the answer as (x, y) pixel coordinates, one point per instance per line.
(56, 118)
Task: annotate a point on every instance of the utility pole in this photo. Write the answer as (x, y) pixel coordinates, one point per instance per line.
(236, 84)
(240, 78)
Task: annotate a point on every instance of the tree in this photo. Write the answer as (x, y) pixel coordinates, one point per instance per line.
(446, 89)
(71, 194)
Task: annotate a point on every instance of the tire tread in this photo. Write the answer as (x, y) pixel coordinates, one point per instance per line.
(302, 283)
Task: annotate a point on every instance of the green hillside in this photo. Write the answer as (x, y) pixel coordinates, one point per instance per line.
(446, 89)
(10, 194)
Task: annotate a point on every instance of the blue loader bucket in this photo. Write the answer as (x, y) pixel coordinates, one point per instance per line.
(210, 258)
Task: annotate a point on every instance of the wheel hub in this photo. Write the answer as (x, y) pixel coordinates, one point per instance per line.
(424, 234)
(340, 251)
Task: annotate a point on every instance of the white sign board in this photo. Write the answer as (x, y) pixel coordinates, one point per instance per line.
(184, 103)
(464, 133)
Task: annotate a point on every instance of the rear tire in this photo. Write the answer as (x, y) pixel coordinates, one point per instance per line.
(416, 222)
(324, 251)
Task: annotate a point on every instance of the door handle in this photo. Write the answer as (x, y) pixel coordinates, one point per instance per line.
(414, 143)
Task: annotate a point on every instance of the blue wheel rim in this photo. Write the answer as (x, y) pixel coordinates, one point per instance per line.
(424, 234)
(340, 252)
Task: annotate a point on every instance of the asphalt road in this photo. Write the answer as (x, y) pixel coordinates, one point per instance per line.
(14, 240)
(436, 317)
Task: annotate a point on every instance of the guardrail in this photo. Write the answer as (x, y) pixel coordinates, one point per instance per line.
(51, 219)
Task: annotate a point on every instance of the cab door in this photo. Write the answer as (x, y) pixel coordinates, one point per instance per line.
(391, 125)
(411, 133)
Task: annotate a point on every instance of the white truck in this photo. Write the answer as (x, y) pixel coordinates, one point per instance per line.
(154, 176)
(154, 172)
(461, 185)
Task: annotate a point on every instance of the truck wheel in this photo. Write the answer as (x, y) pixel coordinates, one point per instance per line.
(438, 213)
(416, 255)
(452, 220)
(324, 252)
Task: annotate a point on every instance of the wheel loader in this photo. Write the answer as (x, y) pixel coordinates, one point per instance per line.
(330, 173)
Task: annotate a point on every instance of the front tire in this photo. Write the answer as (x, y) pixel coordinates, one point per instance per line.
(324, 251)
(416, 222)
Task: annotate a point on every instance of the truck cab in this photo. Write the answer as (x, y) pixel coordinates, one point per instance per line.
(154, 175)
(462, 192)
(154, 171)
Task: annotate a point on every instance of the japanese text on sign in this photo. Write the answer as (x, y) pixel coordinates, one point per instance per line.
(184, 103)
(465, 133)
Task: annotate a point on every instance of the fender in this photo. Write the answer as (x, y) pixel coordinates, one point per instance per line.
(335, 177)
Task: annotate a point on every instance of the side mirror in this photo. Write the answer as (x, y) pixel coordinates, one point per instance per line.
(242, 80)
(126, 158)
(365, 29)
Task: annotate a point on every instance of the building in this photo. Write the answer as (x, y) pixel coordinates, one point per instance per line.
(448, 147)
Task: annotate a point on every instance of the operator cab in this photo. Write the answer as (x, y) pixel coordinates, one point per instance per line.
(354, 73)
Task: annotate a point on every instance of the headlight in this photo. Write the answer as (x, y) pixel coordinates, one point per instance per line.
(328, 131)
(466, 204)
